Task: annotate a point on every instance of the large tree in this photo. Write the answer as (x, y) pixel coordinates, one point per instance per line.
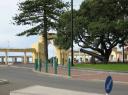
(64, 29)
(63, 39)
(42, 15)
(100, 26)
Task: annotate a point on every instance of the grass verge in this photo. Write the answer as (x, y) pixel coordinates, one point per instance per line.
(111, 67)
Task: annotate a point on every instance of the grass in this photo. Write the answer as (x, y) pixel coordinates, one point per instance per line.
(112, 67)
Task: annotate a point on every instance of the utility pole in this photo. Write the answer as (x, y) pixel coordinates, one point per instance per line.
(123, 42)
(72, 56)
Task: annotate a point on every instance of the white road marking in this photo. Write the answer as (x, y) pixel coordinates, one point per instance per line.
(41, 90)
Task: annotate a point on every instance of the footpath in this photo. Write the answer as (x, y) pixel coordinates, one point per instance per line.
(91, 74)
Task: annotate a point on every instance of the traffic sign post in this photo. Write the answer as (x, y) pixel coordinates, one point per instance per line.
(108, 85)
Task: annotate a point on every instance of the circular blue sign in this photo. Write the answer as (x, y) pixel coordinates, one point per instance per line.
(108, 84)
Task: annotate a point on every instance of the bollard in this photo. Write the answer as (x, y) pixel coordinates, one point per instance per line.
(46, 66)
(36, 64)
(39, 65)
(69, 67)
(55, 65)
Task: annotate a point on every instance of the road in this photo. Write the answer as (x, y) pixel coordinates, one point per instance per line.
(24, 77)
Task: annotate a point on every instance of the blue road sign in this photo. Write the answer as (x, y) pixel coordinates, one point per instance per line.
(108, 84)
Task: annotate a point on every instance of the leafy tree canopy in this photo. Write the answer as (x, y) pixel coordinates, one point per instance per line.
(31, 12)
(100, 25)
(63, 39)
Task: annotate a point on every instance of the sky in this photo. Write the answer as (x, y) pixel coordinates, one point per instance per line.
(8, 31)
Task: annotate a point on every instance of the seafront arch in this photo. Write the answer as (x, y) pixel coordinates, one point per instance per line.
(61, 54)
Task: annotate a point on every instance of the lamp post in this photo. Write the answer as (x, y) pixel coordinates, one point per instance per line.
(72, 56)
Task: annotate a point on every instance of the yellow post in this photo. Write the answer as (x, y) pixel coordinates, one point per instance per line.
(25, 58)
(6, 57)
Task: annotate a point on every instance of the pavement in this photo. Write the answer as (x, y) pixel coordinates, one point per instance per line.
(90, 74)
(41, 90)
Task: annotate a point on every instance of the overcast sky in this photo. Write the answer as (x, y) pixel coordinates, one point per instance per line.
(8, 38)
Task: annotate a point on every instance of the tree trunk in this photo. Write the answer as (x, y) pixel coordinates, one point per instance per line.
(106, 55)
(45, 39)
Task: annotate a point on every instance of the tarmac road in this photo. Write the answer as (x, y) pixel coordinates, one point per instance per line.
(24, 77)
